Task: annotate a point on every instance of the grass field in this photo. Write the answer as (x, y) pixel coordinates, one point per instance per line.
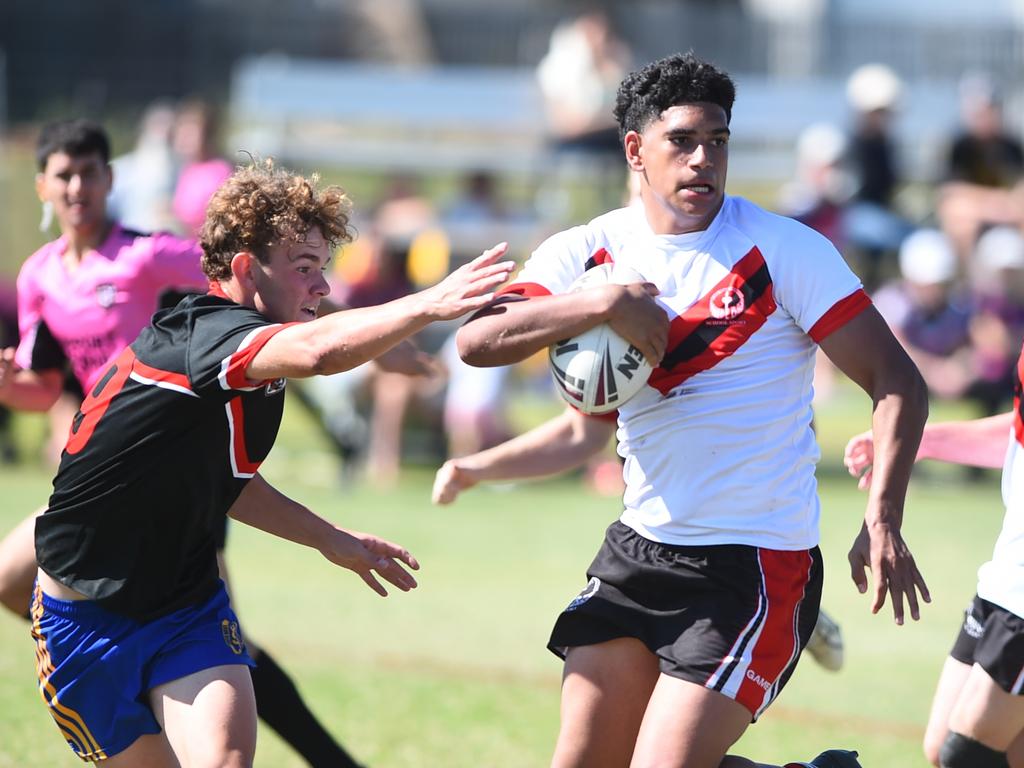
(455, 674)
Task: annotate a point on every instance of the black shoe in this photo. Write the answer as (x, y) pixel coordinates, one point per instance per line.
(836, 758)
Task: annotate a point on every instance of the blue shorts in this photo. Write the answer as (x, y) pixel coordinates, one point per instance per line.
(96, 668)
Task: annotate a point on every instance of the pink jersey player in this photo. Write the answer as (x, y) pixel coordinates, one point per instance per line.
(87, 315)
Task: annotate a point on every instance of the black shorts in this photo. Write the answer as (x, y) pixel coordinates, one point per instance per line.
(732, 618)
(993, 638)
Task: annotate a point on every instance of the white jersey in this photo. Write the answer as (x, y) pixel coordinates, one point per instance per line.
(1001, 579)
(718, 447)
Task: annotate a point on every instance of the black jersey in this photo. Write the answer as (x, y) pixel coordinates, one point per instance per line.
(163, 445)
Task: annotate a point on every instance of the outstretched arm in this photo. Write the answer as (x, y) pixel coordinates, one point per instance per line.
(866, 351)
(27, 390)
(556, 446)
(975, 443)
(263, 506)
(342, 340)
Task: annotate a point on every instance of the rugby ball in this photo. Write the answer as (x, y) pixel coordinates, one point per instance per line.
(597, 371)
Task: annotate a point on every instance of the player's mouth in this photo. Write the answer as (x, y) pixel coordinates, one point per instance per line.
(309, 313)
(697, 189)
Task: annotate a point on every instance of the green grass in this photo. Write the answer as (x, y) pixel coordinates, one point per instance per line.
(455, 674)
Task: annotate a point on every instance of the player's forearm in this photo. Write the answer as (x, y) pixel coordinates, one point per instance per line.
(900, 411)
(28, 391)
(976, 443)
(339, 341)
(556, 446)
(262, 506)
(513, 329)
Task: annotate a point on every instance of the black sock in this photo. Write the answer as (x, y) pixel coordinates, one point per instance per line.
(279, 705)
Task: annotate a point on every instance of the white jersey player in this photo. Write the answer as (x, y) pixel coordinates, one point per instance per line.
(707, 588)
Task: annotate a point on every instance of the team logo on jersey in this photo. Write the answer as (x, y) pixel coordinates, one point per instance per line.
(727, 303)
(106, 294)
(588, 592)
(274, 387)
(232, 636)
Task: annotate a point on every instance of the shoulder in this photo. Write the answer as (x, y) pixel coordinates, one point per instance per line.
(33, 267)
(608, 227)
(775, 235)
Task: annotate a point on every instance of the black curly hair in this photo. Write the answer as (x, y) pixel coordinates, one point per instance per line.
(682, 78)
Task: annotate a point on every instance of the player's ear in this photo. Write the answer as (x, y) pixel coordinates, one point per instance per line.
(632, 144)
(40, 185)
(241, 270)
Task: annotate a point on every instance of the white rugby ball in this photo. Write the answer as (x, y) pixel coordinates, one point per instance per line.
(597, 371)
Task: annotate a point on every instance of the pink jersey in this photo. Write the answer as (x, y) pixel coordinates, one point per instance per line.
(89, 315)
(196, 185)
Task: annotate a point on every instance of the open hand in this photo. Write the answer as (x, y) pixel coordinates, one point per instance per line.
(366, 554)
(469, 287)
(881, 549)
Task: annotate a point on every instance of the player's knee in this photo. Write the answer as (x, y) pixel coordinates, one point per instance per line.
(934, 738)
(959, 751)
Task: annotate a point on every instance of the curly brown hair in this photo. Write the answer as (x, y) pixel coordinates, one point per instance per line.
(261, 205)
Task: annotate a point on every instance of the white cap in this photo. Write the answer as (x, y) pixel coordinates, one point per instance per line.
(820, 144)
(927, 258)
(873, 86)
(1000, 248)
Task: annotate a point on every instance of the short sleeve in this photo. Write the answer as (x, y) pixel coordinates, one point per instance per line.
(37, 350)
(176, 263)
(556, 263)
(814, 283)
(222, 344)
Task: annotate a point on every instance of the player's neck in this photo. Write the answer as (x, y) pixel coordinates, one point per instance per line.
(80, 241)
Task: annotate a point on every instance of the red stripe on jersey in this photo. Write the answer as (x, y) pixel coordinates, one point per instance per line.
(98, 400)
(786, 575)
(842, 312)
(600, 256)
(1018, 399)
(234, 374)
(527, 290)
(155, 374)
(717, 325)
(242, 464)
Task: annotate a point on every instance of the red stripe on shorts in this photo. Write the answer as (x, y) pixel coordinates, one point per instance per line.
(786, 575)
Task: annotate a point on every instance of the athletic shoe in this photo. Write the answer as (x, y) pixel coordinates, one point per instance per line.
(831, 758)
(826, 643)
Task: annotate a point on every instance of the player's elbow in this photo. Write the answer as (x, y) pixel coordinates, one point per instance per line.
(479, 348)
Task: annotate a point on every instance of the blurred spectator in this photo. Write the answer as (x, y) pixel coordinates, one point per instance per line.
(374, 270)
(474, 404)
(144, 178)
(997, 320)
(873, 228)
(821, 189)
(578, 77)
(985, 168)
(203, 170)
(927, 314)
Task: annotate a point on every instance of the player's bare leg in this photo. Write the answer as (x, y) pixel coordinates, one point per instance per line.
(18, 565)
(209, 717)
(152, 751)
(951, 683)
(605, 688)
(988, 715)
(688, 724)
